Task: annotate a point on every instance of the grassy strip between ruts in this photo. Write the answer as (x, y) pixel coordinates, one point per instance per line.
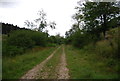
(15, 67)
(83, 65)
(50, 69)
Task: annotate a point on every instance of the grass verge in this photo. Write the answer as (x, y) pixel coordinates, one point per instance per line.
(15, 67)
(84, 65)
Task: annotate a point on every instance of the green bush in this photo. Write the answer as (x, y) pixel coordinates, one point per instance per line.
(39, 38)
(79, 40)
(11, 50)
(21, 39)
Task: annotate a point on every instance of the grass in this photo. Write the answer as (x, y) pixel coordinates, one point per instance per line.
(51, 66)
(84, 65)
(15, 67)
(0, 56)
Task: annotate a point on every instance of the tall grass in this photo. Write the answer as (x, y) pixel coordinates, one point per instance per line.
(88, 65)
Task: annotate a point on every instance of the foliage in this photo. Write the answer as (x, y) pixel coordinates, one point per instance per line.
(42, 21)
(21, 40)
(93, 19)
(56, 39)
(39, 38)
(11, 50)
(99, 17)
(79, 39)
(106, 48)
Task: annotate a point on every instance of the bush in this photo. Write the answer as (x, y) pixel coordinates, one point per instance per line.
(11, 50)
(39, 38)
(79, 40)
(21, 39)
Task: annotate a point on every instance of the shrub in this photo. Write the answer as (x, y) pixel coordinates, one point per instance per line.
(79, 39)
(11, 50)
(21, 39)
(39, 38)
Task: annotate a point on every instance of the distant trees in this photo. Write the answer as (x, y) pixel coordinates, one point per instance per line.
(57, 39)
(7, 28)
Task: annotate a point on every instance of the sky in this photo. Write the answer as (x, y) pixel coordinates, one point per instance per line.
(17, 11)
(61, 11)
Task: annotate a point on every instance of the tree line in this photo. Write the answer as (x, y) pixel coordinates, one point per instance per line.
(93, 19)
(96, 27)
(7, 28)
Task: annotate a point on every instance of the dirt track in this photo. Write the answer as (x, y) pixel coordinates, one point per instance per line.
(61, 71)
(31, 74)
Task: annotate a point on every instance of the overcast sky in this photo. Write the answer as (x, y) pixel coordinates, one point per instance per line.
(60, 11)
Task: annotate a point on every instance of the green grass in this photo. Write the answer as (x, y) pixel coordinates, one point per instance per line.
(0, 56)
(84, 65)
(15, 67)
(51, 66)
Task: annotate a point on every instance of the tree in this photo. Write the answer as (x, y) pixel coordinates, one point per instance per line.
(29, 24)
(52, 24)
(41, 20)
(99, 15)
(41, 23)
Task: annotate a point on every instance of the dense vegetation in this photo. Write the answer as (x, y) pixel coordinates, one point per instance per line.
(95, 21)
(96, 31)
(21, 40)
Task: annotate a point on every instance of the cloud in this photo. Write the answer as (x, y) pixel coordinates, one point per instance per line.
(9, 3)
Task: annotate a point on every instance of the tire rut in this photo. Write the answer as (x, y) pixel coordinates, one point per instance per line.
(61, 69)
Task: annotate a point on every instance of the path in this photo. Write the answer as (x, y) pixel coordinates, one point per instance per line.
(63, 71)
(43, 72)
(31, 74)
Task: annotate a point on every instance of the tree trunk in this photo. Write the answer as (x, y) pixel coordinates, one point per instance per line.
(104, 25)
